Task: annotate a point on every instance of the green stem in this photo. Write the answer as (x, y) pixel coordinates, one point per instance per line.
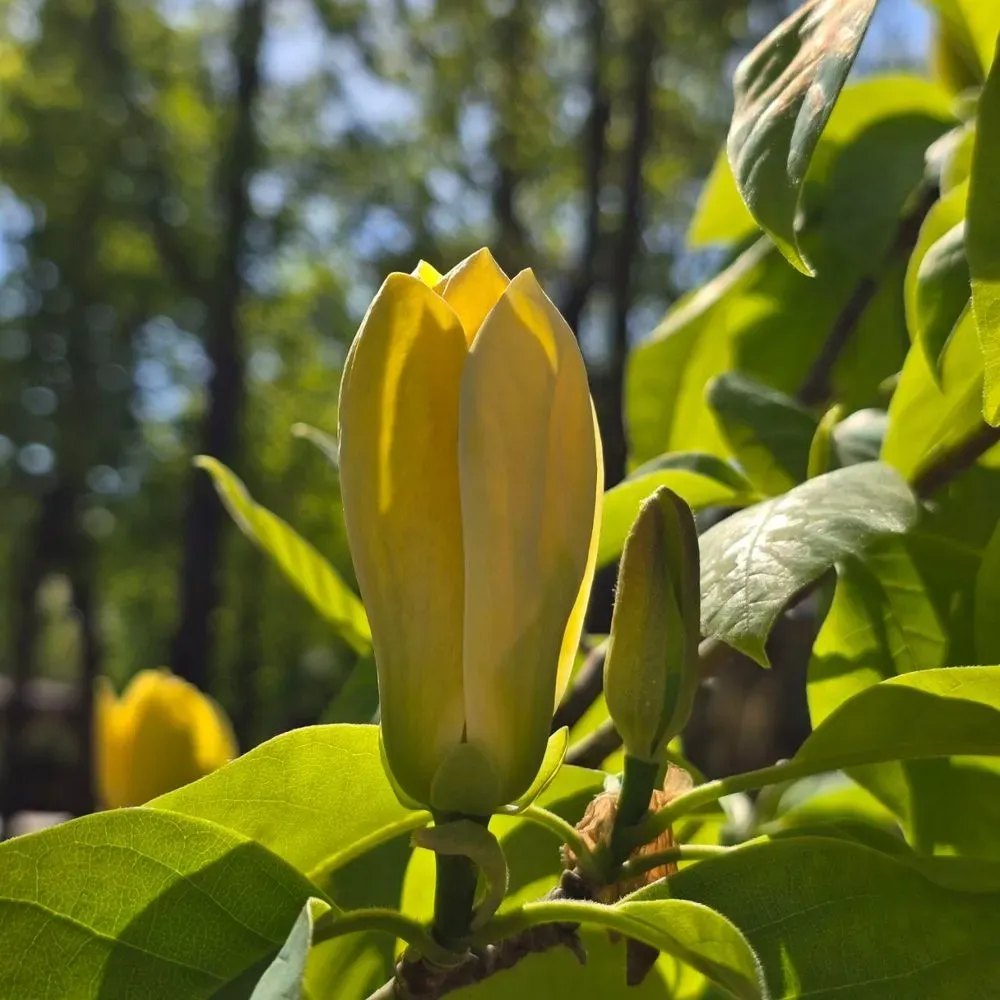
(454, 891)
(712, 791)
(454, 899)
(638, 782)
(564, 832)
(682, 852)
(333, 924)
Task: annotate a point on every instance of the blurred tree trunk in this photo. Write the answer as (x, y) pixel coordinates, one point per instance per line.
(200, 579)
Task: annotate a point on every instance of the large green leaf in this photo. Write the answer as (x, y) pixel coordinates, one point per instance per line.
(755, 561)
(701, 480)
(314, 796)
(881, 623)
(928, 713)
(693, 933)
(987, 627)
(928, 416)
(977, 23)
(983, 238)
(314, 577)
(830, 919)
(785, 90)
(141, 903)
(769, 433)
(937, 278)
(763, 318)
(284, 977)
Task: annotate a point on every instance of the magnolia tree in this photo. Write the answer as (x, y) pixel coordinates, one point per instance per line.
(835, 390)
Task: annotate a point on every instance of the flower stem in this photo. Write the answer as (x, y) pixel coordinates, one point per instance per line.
(454, 894)
(638, 781)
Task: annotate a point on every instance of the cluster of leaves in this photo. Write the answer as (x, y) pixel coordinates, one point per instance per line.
(850, 416)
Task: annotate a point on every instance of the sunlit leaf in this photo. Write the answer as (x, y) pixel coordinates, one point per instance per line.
(785, 91)
(692, 933)
(701, 480)
(983, 239)
(314, 577)
(139, 902)
(755, 561)
(937, 278)
(315, 796)
(910, 937)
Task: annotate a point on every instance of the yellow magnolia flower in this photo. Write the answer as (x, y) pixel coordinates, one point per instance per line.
(472, 481)
(161, 734)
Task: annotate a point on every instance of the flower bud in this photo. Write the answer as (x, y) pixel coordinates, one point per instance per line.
(651, 670)
(471, 479)
(161, 734)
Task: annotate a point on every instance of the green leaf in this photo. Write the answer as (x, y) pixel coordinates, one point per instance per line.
(316, 797)
(314, 577)
(721, 215)
(823, 454)
(983, 239)
(785, 90)
(937, 277)
(976, 23)
(928, 713)
(910, 938)
(693, 933)
(555, 754)
(143, 903)
(701, 480)
(284, 977)
(327, 445)
(881, 623)
(987, 625)
(357, 699)
(928, 416)
(769, 433)
(755, 561)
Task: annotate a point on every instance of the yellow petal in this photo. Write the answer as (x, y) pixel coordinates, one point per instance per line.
(574, 627)
(472, 289)
(111, 753)
(530, 473)
(215, 742)
(427, 273)
(162, 713)
(399, 404)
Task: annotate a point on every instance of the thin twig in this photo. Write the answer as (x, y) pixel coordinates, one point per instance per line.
(961, 456)
(596, 747)
(815, 390)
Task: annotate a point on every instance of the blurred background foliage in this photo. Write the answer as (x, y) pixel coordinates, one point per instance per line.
(198, 199)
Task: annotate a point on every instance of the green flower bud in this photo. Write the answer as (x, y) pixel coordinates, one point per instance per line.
(651, 670)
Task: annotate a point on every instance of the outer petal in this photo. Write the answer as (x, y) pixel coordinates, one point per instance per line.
(472, 289)
(215, 741)
(529, 471)
(574, 627)
(399, 403)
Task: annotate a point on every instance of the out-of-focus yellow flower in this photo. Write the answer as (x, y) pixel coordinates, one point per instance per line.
(471, 476)
(161, 734)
